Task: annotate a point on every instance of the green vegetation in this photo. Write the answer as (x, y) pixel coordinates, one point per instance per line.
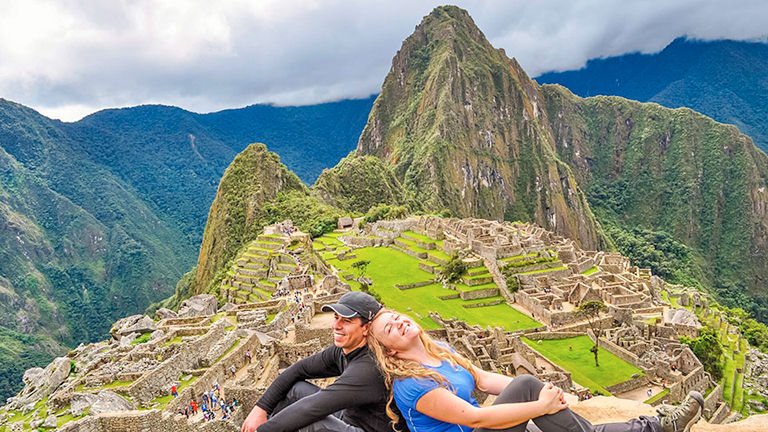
(590, 270)
(657, 397)
(418, 302)
(708, 349)
(143, 338)
(581, 365)
(455, 269)
(364, 184)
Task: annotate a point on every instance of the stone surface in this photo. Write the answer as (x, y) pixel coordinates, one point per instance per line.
(109, 401)
(103, 402)
(127, 339)
(80, 401)
(199, 305)
(157, 334)
(132, 324)
(683, 317)
(40, 383)
(603, 409)
(50, 422)
(165, 313)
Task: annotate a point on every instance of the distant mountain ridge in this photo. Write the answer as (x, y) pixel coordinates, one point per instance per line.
(723, 79)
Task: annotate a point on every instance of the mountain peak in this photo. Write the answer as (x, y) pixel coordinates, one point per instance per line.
(457, 119)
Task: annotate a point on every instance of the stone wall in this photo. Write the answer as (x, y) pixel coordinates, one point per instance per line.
(304, 333)
(219, 371)
(147, 421)
(623, 354)
(630, 385)
(712, 401)
(720, 414)
(414, 285)
(552, 335)
(481, 293)
(157, 382)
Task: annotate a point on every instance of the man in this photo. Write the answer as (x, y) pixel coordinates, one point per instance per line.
(355, 402)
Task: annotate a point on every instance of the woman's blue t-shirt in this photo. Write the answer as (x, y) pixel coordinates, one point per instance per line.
(408, 391)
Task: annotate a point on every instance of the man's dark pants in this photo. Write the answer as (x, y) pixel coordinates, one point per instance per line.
(331, 423)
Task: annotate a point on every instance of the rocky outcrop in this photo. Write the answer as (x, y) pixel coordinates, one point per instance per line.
(39, 383)
(199, 305)
(138, 324)
(103, 402)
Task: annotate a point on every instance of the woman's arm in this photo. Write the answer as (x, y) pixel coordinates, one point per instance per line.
(491, 383)
(445, 406)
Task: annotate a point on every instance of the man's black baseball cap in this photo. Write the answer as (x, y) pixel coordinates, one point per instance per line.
(355, 304)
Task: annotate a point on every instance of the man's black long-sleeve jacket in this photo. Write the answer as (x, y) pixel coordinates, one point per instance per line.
(359, 391)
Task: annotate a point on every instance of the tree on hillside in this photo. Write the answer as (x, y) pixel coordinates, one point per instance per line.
(590, 310)
(455, 269)
(708, 350)
(361, 267)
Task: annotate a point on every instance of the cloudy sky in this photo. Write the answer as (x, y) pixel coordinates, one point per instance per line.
(68, 58)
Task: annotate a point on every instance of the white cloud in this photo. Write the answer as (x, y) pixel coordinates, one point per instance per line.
(66, 58)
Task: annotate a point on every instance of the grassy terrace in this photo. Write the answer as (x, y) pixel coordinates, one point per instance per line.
(420, 237)
(389, 267)
(581, 362)
(590, 270)
(544, 270)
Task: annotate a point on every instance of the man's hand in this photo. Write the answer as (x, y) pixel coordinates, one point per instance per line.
(551, 398)
(256, 418)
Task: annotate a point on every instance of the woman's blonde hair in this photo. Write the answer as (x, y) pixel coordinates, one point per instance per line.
(394, 368)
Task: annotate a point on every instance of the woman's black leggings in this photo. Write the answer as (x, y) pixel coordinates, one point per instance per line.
(526, 388)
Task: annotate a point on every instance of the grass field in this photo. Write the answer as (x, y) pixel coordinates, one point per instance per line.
(389, 267)
(581, 362)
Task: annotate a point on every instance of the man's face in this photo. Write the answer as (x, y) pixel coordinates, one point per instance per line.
(349, 333)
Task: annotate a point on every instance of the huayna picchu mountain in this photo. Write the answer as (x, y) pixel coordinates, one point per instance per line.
(462, 127)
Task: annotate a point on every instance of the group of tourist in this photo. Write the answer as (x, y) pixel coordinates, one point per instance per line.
(393, 376)
(211, 401)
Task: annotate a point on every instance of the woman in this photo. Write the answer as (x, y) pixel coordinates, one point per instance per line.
(432, 386)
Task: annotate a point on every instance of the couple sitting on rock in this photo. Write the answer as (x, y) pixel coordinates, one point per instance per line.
(393, 375)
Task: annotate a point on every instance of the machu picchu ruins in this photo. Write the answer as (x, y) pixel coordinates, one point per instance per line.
(518, 295)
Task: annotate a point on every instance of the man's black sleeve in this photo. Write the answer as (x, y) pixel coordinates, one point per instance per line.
(351, 389)
(320, 365)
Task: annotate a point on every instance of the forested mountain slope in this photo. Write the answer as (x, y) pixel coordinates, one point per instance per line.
(724, 79)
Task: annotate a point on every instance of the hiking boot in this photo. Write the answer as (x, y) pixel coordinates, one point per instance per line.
(681, 418)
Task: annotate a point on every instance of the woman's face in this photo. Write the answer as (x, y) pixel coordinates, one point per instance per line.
(396, 332)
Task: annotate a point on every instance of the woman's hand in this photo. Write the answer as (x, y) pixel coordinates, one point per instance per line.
(551, 399)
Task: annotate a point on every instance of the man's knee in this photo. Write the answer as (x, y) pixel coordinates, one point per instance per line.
(523, 388)
(301, 389)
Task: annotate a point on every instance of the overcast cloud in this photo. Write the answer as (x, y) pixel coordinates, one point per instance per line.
(68, 58)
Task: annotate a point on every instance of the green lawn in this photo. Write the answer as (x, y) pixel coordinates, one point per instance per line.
(544, 270)
(581, 362)
(420, 237)
(590, 270)
(389, 266)
(661, 395)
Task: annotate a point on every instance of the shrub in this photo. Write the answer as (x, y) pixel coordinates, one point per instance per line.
(455, 269)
